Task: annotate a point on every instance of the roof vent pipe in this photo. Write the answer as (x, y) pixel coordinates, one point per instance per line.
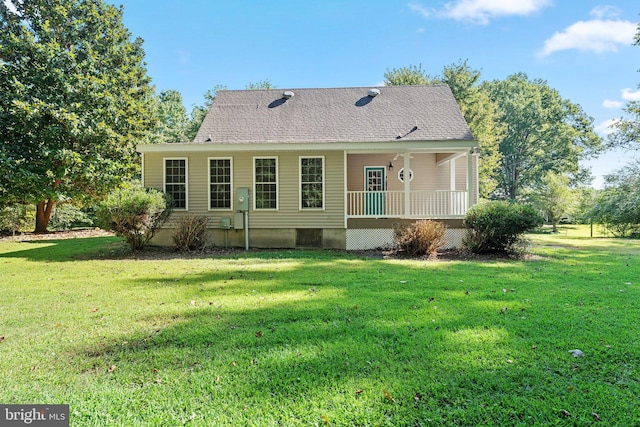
(287, 94)
(374, 92)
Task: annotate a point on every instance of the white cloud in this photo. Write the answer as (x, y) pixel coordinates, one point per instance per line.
(607, 11)
(591, 36)
(417, 7)
(628, 95)
(609, 103)
(605, 128)
(481, 11)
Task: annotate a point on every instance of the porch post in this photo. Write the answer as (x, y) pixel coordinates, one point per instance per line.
(345, 203)
(452, 174)
(407, 184)
(470, 176)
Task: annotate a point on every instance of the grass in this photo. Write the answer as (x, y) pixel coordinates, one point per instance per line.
(323, 338)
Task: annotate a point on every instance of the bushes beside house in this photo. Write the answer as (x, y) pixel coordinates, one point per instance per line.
(134, 213)
(191, 233)
(421, 238)
(499, 226)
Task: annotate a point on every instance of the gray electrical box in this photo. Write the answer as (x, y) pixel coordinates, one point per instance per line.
(225, 223)
(238, 220)
(242, 199)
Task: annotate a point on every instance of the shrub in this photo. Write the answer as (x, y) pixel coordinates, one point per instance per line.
(134, 213)
(498, 226)
(65, 216)
(420, 238)
(14, 218)
(191, 233)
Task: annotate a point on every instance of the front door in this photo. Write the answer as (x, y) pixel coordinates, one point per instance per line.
(374, 189)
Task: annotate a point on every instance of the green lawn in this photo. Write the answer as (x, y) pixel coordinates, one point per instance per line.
(323, 338)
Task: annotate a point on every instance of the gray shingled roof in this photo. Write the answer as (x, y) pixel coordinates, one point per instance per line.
(413, 113)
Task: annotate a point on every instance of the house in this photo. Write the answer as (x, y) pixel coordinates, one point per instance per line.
(330, 168)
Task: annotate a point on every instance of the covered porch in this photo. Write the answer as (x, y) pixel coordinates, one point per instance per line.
(439, 185)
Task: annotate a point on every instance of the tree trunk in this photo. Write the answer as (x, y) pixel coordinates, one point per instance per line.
(43, 214)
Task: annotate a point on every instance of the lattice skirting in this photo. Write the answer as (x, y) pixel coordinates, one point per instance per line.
(382, 238)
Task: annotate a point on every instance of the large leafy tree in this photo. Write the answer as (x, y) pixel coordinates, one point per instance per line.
(544, 133)
(627, 131)
(74, 99)
(173, 123)
(478, 109)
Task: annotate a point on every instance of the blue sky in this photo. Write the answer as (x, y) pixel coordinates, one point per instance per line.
(581, 48)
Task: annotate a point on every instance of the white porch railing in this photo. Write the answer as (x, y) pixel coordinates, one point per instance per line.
(391, 204)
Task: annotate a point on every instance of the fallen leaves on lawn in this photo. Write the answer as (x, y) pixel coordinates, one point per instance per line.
(111, 369)
(325, 419)
(359, 392)
(3, 338)
(94, 309)
(576, 353)
(388, 396)
(259, 334)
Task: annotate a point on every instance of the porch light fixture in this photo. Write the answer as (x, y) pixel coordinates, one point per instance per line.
(390, 166)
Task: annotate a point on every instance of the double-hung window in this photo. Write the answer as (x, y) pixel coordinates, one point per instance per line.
(312, 182)
(220, 183)
(175, 181)
(265, 178)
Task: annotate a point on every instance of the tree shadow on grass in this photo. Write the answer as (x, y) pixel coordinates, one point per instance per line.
(66, 250)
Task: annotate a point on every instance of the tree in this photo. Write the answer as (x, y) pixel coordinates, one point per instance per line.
(172, 119)
(413, 75)
(261, 85)
(198, 112)
(617, 205)
(627, 131)
(75, 98)
(544, 133)
(553, 197)
(479, 111)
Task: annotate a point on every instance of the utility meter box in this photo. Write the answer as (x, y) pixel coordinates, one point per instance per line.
(225, 223)
(238, 220)
(242, 199)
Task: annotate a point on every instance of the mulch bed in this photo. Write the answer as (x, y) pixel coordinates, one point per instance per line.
(154, 252)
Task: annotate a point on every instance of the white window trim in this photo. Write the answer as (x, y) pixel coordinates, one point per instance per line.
(186, 179)
(277, 184)
(209, 183)
(300, 207)
(401, 172)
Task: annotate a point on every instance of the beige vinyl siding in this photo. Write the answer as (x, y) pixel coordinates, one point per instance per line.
(288, 214)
